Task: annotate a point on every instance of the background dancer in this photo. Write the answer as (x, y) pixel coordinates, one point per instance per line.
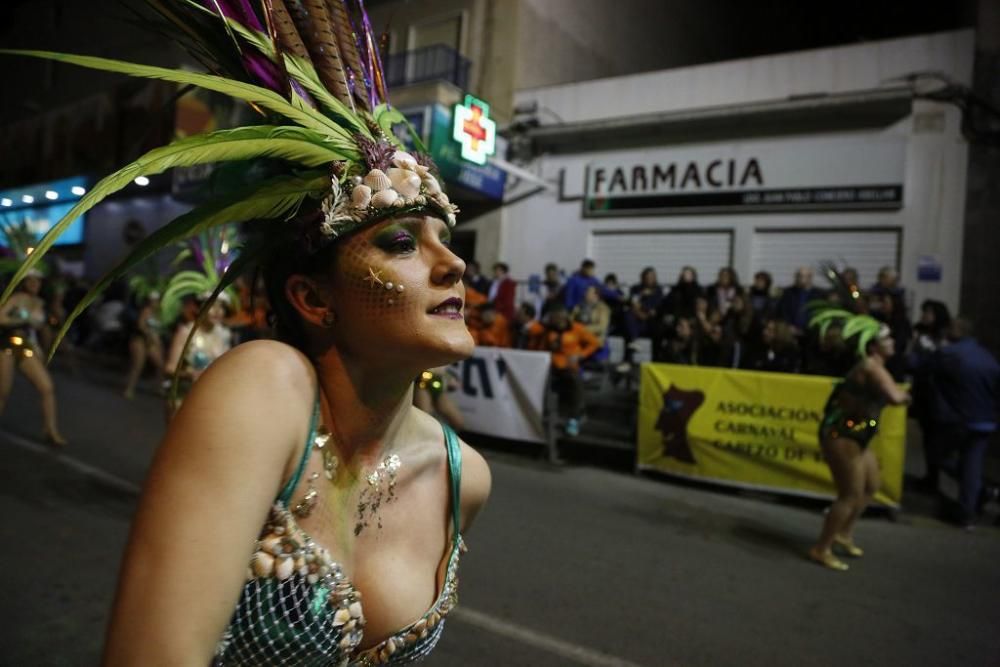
(22, 320)
(144, 344)
(850, 421)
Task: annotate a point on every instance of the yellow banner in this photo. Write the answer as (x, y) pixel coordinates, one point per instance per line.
(750, 429)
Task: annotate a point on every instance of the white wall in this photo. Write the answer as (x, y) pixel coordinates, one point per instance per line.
(543, 229)
(818, 72)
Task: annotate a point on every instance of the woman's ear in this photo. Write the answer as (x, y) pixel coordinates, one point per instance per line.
(308, 297)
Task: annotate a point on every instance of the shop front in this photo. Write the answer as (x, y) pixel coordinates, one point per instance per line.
(766, 164)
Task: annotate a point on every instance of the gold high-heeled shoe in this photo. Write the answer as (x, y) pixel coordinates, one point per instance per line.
(827, 559)
(55, 440)
(849, 547)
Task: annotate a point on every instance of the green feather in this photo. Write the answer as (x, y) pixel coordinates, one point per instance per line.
(274, 198)
(302, 114)
(237, 144)
(386, 116)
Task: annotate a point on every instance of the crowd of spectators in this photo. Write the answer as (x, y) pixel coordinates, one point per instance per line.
(723, 324)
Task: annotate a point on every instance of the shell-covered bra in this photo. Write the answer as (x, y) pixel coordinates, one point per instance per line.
(299, 608)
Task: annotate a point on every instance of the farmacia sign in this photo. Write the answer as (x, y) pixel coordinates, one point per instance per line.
(790, 174)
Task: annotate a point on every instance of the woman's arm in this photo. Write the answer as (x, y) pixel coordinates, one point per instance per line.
(13, 304)
(208, 493)
(176, 347)
(883, 380)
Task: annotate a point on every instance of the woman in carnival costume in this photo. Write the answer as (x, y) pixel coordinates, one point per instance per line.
(300, 509)
(22, 318)
(209, 337)
(850, 421)
(145, 329)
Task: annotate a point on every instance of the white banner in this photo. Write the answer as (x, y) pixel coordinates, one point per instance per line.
(779, 174)
(502, 393)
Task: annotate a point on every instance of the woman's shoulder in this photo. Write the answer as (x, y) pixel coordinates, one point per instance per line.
(257, 373)
(476, 478)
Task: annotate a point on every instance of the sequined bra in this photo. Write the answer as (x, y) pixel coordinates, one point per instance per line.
(299, 608)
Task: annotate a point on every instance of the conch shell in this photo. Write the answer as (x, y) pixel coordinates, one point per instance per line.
(404, 159)
(405, 182)
(432, 185)
(361, 196)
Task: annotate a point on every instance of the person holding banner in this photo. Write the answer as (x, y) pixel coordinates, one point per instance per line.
(850, 421)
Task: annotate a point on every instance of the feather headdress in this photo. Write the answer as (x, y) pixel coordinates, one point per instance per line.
(312, 70)
(18, 243)
(213, 254)
(822, 313)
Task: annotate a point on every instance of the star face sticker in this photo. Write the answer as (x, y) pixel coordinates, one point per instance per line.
(374, 278)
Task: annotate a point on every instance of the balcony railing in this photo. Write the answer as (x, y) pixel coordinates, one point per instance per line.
(430, 63)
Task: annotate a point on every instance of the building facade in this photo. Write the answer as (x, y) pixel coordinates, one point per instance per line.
(767, 163)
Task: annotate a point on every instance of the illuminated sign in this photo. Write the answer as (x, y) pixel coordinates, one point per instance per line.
(42, 205)
(474, 130)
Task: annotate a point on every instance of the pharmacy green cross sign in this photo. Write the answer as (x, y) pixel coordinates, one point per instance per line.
(474, 130)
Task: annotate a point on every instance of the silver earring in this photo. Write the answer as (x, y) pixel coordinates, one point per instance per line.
(329, 318)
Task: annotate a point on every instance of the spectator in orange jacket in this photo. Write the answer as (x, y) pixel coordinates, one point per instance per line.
(569, 343)
(493, 329)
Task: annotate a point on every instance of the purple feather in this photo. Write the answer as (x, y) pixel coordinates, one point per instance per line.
(264, 71)
(236, 10)
(196, 251)
(377, 73)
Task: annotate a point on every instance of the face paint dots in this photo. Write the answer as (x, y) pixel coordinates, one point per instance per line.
(375, 281)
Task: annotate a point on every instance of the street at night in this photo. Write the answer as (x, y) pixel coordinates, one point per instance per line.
(569, 565)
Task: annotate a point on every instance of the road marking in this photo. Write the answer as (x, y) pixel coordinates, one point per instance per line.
(579, 654)
(74, 463)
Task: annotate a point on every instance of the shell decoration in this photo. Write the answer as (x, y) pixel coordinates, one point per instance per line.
(377, 180)
(407, 184)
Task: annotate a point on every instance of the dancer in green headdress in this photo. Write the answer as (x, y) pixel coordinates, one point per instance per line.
(850, 421)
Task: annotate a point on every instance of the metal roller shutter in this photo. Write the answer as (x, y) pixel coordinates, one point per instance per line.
(781, 252)
(628, 253)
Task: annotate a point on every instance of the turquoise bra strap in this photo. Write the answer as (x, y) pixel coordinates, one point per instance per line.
(454, 447)
(286, 493)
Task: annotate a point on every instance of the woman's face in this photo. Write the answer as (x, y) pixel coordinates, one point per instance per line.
(927, 317)
(32, 285)
(768, 333)
(683, 329)
(886, 346)
(217, 313)
(649, 278)
(725, 278)
(591, 296)
(687, 276)
(397, 292)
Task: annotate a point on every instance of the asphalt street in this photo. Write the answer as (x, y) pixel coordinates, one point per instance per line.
(569, 565)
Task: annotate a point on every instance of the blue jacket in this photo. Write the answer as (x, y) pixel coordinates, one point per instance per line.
(577, 286)
(967, 378)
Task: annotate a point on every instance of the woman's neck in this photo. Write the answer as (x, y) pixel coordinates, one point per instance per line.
(366, 407)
